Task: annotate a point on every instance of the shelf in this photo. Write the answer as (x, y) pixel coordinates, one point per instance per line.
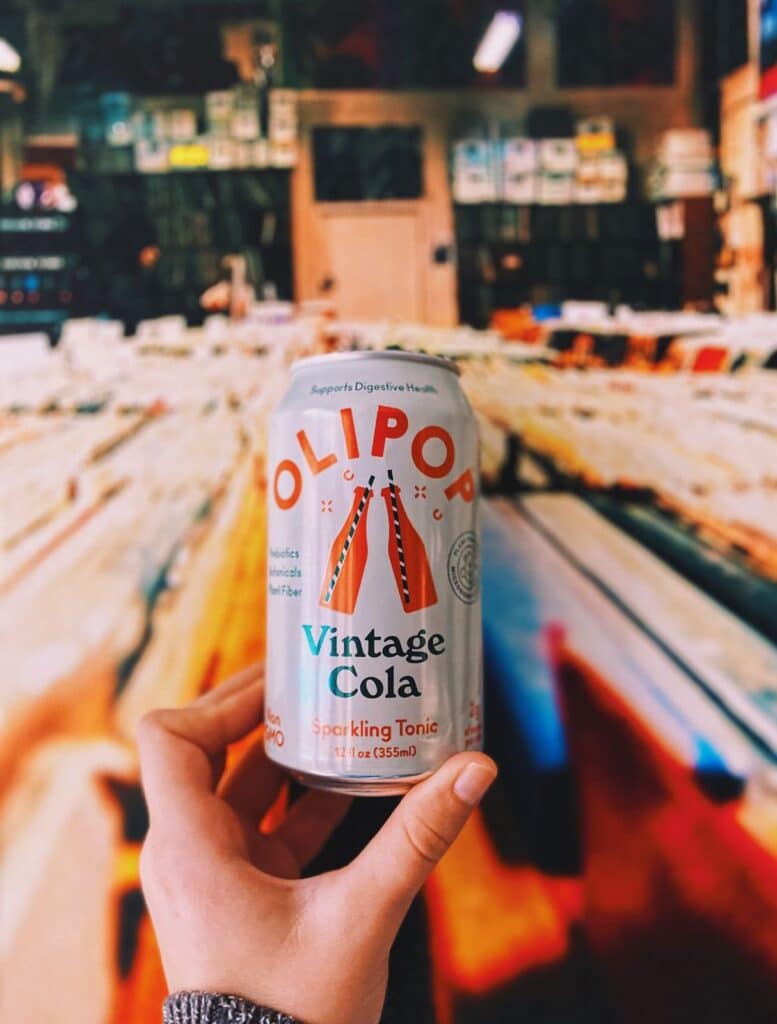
(20, 263)
(38, 316)
(505, 203)
(34, 223)
(184, 172)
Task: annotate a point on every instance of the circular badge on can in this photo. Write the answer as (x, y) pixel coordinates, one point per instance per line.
(464, 567)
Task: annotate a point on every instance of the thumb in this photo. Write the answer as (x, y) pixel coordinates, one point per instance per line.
(395, 864)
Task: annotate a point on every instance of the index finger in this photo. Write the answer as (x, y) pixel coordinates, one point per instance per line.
(178, 748)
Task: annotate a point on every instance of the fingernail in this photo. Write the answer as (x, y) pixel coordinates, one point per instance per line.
(472, 783)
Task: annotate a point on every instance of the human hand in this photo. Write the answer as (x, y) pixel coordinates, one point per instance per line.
(229, 908)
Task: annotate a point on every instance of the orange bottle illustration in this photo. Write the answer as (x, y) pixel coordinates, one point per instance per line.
(407, 554)
(348, 556)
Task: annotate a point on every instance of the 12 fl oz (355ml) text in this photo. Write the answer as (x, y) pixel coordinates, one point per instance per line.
(377, 753)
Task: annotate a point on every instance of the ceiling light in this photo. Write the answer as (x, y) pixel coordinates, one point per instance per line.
(10, 61)
(500, 37)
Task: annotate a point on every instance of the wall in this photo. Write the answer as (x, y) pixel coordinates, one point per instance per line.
(643, 112)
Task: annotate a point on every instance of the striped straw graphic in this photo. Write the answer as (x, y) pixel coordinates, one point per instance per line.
(348, 540)
(398, 538)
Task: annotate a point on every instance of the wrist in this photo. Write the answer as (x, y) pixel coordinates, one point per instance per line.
(217, 1008)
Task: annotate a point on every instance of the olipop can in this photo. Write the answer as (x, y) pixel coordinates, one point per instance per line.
(374, 671)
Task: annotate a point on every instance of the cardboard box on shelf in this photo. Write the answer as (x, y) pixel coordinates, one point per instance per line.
(588, 194)
(188, 156)
(159, 125)
(219, 108)
(739, 156)
(680, 183)
(244, 154)
(588, 180)
(151, 156)
(474, 173)
(518, 170)
(595, 135)
(555, 188)
(520, 188)
(684, 165)
(283, 127)
(117, 114)
(683, 144)
(519, 155)
(182, 125)
(558, 156)
(222, 154)
(244, 123)
(260, 153)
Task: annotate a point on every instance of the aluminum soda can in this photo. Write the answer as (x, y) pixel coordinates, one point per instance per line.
(374, 666)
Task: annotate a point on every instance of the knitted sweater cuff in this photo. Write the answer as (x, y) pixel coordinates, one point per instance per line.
(209, 1008)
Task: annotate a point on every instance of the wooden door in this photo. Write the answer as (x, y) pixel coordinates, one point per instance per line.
(386, 258)
(369, 259)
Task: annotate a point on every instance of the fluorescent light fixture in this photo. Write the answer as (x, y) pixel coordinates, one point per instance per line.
(500, 37)
(10, 61)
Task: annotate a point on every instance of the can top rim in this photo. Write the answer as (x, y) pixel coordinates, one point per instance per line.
(441, 362)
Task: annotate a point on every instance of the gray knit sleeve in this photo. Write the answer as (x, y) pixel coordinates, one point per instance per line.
(209, 1008)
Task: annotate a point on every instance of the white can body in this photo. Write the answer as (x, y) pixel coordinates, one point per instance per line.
(374, 671)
